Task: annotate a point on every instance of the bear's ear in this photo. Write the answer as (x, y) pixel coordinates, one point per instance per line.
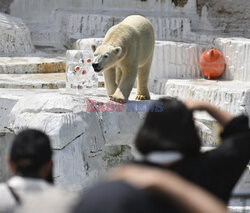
(93, 47)
(118, 50)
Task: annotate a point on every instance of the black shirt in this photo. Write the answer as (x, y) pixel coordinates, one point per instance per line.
(219, 170)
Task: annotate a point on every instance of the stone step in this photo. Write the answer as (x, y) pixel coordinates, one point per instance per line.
(232, 96)
(33, 81)
(239, 209)
(242, 207)
(32, 64)
(79, 136)
(15, 37)
(237, 54)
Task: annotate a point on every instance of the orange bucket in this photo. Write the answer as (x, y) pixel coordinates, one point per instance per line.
(212, 63)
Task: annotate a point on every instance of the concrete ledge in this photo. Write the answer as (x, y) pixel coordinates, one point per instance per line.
(175, 60)
(23, 65)
(237, 53)
(14, 37)
(84, 143)
(87, 140)
(230, 95)
(239, 205)
(239, 209)
(33, 81)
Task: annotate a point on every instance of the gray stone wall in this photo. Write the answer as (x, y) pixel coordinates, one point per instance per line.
(5, 142)
(5, 6)
(227, 16)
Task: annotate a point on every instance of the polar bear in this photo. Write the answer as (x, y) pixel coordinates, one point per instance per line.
(126, 53)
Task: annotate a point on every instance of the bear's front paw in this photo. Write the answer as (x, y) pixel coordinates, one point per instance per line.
(116, 99)
(118, 96)
(142, 97)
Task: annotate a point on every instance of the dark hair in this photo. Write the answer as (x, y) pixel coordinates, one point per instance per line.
(171, 129)
(30, 151)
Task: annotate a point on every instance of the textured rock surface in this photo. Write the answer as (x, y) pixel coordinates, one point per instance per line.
(239, 205)
(84, 143)
(206, 15)
(41, 10)
(5, 6)
(5, 143)
(14, 37)
(87, 143)
(37, 81)
(174, 60)
(31, 64)
(237, 54)
(196, 21)
(226, 17)
(230, 95)
(78, 24)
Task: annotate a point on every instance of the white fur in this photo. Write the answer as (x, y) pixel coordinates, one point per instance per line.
(126, 53)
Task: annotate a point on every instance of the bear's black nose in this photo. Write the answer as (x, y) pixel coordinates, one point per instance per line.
(96, 67)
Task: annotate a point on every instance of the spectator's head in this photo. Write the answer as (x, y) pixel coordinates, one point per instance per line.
(172, 129)
(121, 197)
(31, 155)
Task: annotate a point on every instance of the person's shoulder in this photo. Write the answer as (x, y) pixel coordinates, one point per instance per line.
(239, 124)
(49, 200)
(7, 203)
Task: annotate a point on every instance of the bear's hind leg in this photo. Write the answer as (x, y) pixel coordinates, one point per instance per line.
(109, 79)
(142, 92)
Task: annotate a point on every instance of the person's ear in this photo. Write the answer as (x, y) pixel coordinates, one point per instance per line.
(12, 166)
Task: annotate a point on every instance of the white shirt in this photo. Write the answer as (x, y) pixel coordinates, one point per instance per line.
(23, 187)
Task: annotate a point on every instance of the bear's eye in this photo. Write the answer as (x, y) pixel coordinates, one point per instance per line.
(105, 56)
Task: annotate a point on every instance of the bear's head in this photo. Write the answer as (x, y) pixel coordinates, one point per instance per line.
(105, 56)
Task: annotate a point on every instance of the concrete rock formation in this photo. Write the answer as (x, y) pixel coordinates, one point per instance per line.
(15, 37)
(5, 6)
(57, 23)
